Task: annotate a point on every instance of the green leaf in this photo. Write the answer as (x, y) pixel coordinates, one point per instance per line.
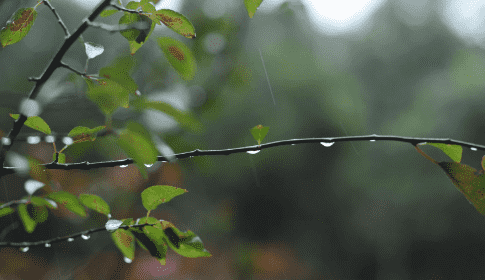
(156, 195)
(175, 21)
(18, 26)
(39, 172)
(82, 133)
(135, 37)
(151, 243)
(138, 145)
(251, 6)
(125, 241)
(157, 237)
(35, 122)
(127, 222)
(186, 119)
(120, 76)
(39, 213)
(108, 95)
(95, 202)
(107, 13)
(187, 244)
(5, 211)
(69, 201)
(259, 132)
(453, 151)
(29, 223)
(467, 182)
(39, 201)
(179, 56)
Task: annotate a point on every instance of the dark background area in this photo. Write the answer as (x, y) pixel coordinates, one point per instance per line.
(355, 210)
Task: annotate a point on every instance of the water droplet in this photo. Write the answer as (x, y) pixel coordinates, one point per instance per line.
(148, 165)
(373, 140)
(85, 237)
(123, 166)
(127, 260)
(24, 249)
(47, 245)
(327, 144)
(473, 148)
(293, 144)
(70, 239)
(109, 216)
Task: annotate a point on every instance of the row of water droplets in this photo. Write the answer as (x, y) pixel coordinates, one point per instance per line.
(326, 144)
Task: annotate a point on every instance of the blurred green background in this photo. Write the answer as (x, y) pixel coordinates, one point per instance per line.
(355, 210)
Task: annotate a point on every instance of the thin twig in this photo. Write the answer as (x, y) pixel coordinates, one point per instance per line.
(71, 237)
(414, 141)
(58, 18)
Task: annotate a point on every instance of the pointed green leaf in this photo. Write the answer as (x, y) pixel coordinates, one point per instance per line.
(467, 182)
(39, 201)
(158, 238)
(5, 211)
(179, 56)
(187, 244)
(108, 95)
(107, 13)
(186, 119)
(125, 241)
(120, 76)
(175, 21)
(35, 122)
(69, 201)
(39, 172)
(29, 223)
(153, 246)
(156, 195)
(95, 202)
(259, 132)
(136, 37)
(39, 213)
(453, 151)
(251, 6)
(127, 222)
(18, 26)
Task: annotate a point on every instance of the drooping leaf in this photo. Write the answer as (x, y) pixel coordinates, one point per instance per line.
(125, 241)
(38, 213)
(135, 37)
(27, 221)
(39, 201)
(156, 236)
(120, 76)
(35, 122)
(156, 195)
(179, 56)
(453, 151)
(95, 202)
(187, 244)
(186, 119)
(251, 6)
(108, 95)
(5, 211)
(69, 201)
(466, 180)
(138, 146)
(18, 26)
(175, 21)
(151, 243)
(259, 132)
(39, 172)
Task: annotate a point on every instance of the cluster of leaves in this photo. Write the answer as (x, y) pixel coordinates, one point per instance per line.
(111, 90)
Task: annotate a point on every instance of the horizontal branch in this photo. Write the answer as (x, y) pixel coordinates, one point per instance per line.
(72, 237)
(412, 140)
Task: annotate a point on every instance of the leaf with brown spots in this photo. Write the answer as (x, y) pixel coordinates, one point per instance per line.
(179, 56)
(18, 26)
(175, 21)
